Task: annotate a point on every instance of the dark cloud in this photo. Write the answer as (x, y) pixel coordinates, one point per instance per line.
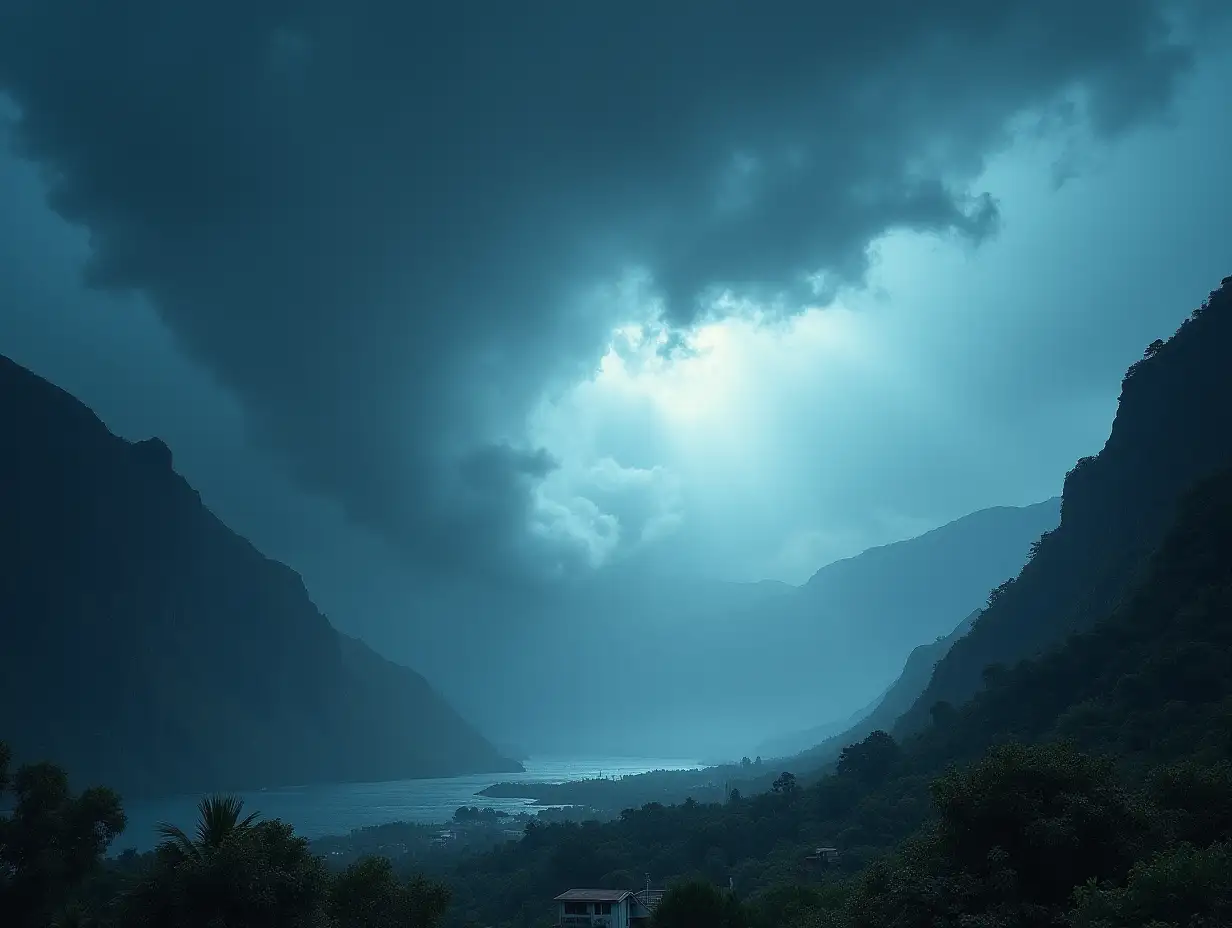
(379, 223)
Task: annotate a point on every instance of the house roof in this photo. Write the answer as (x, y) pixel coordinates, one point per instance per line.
(593, 895)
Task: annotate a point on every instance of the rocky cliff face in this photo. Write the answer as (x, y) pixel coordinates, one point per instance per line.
(1171, 430)
(149, 647)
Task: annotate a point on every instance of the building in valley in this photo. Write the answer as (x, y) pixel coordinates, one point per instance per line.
(606, 908)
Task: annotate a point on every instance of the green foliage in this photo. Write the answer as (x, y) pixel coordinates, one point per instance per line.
(870, 761)
(794, 905)
(698, 904)
(1193, 801)
(240, 873)
(51, 843)
(218, 820)
(1183, 887)
(1015, 833)
(368, 894)
(233, 873)
(1044, 817)
(261, 876)
(785, 784)
(999, 591)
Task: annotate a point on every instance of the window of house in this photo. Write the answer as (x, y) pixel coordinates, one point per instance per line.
(575, 908)
(603, 908)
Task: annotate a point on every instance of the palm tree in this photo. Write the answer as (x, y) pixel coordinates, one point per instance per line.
(218, 818)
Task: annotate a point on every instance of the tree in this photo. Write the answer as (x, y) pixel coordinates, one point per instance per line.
(871, 760)
(1195, 801)
(1182, 886)
(999, 591)
(698, 904)
(785, 784)
(51, 843)
(1015, 834)
(1034, 821)
(218, 819)
(793, 904)
(258, 876)
(368, 894)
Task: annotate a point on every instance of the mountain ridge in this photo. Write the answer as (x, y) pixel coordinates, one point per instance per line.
(1168, 433)
(166, 652)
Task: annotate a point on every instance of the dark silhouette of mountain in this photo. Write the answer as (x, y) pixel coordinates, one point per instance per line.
(148, 646)
(1150, 681)
(1171, 429)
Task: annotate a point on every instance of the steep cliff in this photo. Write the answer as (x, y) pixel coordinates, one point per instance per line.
(149, 647)
(1171, 429)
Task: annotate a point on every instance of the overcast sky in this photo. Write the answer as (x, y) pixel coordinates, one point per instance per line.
(506, 292)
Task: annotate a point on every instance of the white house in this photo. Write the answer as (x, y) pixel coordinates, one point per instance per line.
(606, 908)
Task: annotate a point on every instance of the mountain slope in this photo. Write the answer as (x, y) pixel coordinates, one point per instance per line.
(890, 706)
(852, 626)
(712, 669)
(915, 590)
(1150, 681)
(149, 647)
(1171, 429)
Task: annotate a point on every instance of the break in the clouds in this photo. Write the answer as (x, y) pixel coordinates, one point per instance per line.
(389, 228)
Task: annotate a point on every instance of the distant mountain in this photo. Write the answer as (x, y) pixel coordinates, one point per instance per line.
(823, 745)
(1171, 429)
(148, 647)
(711, 669)
(888, 599)
(899, 587)
(803, 743)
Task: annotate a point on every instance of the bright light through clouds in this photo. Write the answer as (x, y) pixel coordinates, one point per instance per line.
(689, 387)
(696, 410)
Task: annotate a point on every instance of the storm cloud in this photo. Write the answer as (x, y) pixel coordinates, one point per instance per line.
(390, 228)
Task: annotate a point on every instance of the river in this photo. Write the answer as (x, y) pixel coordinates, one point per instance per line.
(337, 808)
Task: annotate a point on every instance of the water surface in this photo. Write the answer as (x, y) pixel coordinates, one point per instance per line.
(337, 808)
